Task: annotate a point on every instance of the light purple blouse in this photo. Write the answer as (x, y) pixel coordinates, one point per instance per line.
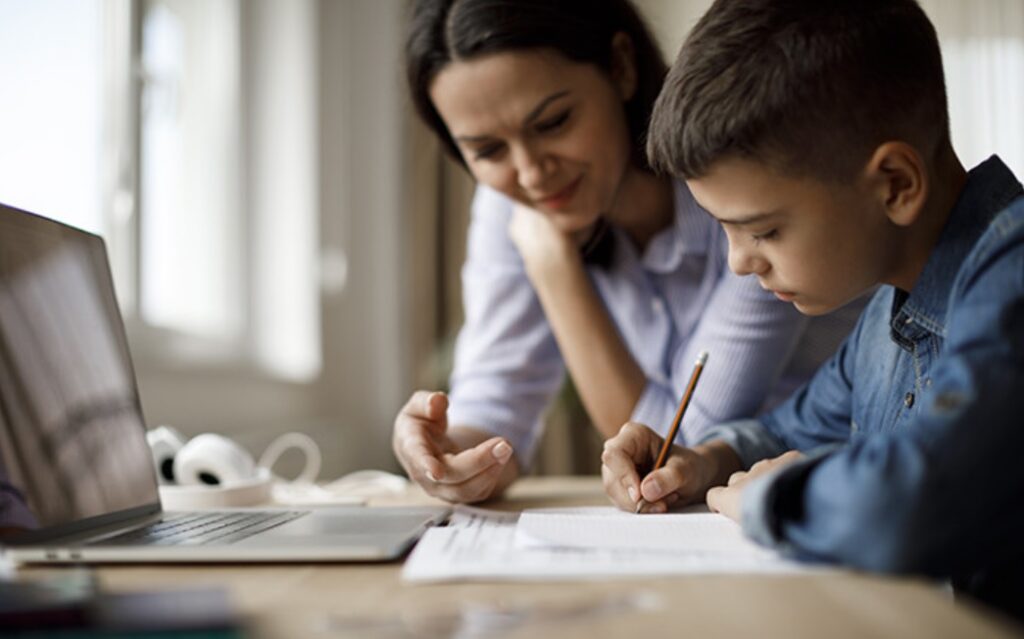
(676, 299)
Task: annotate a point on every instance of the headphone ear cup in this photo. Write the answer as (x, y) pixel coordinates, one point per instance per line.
(213, 460)
(164, 443)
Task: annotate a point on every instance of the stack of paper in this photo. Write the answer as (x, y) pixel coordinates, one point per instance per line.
(586, 543)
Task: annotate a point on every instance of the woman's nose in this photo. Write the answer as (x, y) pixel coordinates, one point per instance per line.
(531, 169)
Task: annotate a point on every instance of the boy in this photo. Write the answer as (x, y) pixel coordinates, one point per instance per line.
(816, 132)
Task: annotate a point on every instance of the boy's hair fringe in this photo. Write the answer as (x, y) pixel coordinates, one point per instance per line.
(808, 87)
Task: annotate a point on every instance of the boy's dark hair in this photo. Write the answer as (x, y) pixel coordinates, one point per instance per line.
(443, 31)
(808, 87)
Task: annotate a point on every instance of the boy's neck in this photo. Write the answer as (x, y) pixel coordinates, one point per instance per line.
(947, 182)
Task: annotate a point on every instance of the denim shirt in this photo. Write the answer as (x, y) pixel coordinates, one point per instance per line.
(914, 430)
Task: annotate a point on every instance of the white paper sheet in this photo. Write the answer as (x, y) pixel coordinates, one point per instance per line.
(694, 531)
(487, 545)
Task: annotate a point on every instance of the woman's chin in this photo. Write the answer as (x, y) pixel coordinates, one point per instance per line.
(572, 222)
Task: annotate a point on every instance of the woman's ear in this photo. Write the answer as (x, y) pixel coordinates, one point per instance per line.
(624, 65)
(898, 176)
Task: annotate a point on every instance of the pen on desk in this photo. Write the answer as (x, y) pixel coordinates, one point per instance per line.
(698, 366)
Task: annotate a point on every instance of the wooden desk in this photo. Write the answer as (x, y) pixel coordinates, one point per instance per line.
(322, 600)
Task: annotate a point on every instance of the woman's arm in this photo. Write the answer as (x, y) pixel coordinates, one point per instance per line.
(608, 378)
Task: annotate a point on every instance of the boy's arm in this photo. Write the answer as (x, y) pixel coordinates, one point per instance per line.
(815, 418)
(939, 495)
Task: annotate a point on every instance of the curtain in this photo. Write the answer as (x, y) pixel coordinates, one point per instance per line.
(983, 54)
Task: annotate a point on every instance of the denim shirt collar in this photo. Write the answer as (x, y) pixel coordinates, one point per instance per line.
(989, 189)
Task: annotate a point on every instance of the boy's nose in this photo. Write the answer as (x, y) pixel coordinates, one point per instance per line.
(746, 262)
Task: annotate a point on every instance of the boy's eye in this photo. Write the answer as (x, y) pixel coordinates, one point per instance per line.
(553, 123)
(768, 235)
(487, 151)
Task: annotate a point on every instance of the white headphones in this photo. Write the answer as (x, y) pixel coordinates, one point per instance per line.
(211, 470)
(207, 459)
(211, 461)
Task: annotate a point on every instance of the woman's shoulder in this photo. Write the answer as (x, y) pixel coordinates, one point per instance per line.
(490, 203)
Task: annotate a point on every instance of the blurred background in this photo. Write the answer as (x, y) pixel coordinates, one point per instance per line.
(285, 238)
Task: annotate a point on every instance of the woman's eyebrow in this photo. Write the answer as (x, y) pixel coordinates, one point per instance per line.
(537, 110)
(530, 117)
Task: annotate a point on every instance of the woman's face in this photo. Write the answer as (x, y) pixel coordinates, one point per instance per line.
(547, 132)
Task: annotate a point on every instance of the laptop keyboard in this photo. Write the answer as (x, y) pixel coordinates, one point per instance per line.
(202, 528)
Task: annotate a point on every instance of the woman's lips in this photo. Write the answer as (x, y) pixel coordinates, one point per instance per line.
(561, 199)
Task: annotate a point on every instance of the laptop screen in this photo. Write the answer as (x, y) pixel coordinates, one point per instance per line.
(72, 435)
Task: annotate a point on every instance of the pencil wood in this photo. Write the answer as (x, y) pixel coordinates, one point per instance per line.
(698, 367)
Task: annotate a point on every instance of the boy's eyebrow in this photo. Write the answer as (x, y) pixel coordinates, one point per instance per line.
(530, 117)
(743, 221)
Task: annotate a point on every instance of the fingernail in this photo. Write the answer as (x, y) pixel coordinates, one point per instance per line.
(501, 451)
(430, 476)
(632, 494)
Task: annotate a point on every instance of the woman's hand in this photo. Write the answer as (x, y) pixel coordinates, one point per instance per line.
(458, 465)
(542, 245)
(728, 499)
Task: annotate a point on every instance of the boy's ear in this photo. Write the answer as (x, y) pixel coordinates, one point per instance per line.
(898, 175)
(624, 65)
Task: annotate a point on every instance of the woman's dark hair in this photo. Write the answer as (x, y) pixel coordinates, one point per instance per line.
(442, 31)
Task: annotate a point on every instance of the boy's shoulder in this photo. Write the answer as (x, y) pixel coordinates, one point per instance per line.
(1006, 228)
(990, 281)
(1002, 240)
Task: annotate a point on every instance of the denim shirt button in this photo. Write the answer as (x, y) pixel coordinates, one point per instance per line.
(908, 401)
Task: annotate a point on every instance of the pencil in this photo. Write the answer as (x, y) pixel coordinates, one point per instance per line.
(698, 366)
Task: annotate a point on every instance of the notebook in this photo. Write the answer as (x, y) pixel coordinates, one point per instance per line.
(77, 480)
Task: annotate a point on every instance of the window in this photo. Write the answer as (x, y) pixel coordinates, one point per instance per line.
(182, 131)
(51, 97)
(190, 254)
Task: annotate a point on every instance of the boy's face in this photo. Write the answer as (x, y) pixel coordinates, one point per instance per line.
(816, 244)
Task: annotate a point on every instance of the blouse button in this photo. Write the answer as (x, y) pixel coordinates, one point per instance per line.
(908, 401)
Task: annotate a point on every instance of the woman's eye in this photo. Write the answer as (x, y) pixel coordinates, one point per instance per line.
(553, 123)
(768, 235)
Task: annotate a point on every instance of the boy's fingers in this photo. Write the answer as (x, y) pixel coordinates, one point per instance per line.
(676, 477)
(714, 497)
(620, 478)
(621, 456)
(620, 488)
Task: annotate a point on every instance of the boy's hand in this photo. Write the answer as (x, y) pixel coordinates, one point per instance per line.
(468, 468)
(684, 478)
(728, 499)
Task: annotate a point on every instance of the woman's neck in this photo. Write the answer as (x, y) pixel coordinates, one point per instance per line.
(644, 206)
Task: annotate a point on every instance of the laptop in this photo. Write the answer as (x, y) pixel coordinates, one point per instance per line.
(77, 480)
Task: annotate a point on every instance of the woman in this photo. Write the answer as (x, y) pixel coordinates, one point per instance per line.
(579, 257)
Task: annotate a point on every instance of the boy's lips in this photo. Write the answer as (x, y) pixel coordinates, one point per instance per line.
(561, 198)
(785, 296)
